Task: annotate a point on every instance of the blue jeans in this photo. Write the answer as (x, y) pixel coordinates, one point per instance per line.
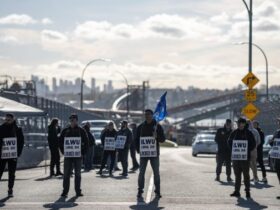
(154, 161)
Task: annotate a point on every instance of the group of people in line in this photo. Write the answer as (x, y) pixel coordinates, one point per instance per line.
(77, 143)
(242, 149)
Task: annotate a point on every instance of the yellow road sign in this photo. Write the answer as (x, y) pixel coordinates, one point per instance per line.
(250, 111)
(251, 95)
(250, 80)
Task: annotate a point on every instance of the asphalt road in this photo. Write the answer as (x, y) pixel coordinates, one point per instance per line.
(187, 183)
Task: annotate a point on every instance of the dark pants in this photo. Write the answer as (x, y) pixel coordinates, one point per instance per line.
(69, 164)
(154, 161)
(55, 160)
(260, 161)
(123, 155)
(12, 166)
(133, 155)
(221, 159)
(105, 156)
(277, 168)
(240, 167)
(88, 159)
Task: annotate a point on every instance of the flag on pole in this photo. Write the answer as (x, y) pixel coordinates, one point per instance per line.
(161, 112)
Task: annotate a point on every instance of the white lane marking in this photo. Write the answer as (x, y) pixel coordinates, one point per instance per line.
(150, 189)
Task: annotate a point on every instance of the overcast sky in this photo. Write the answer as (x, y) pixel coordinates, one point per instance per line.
(169, 42)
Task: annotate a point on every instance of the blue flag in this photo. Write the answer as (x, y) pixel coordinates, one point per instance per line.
(161, 111)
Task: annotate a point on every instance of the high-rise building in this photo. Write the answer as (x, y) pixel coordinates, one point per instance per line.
(110, 87)
(54, 85)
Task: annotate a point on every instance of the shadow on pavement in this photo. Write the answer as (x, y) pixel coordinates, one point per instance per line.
(250, 204)
(62, 203)
(48, 178)
(3, 200)
(142, 205)
(261, 185)
(226, 183)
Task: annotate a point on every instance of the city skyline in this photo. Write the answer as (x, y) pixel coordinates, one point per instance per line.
(183, 44)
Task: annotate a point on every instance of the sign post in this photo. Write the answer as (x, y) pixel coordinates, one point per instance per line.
(250, 110)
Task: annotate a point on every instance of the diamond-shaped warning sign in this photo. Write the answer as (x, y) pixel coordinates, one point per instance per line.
(250, 111)
(250, 80)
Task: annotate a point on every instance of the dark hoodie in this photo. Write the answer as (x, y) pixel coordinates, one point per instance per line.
(74, 132)
(244, 134)
(145, 130)
(12, 130)
(221, 139)
(107, 133)
(126, 132)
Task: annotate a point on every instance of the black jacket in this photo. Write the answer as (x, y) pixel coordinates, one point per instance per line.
(221, 139)
(244, 134)
(260, 147)
(12, 131)
(91, 139)
(53, 137)
(146, 129)
(74, 132)
(126, 132)
(107, 133)
(276, 135)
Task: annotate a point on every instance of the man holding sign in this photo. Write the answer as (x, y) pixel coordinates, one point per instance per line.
(149, 135)
(109, 148)
(123, 141)
(11, 145)
(73, 143)
(241, 142)
(275, 152)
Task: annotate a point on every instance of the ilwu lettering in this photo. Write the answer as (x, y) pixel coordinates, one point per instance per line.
(148, 147)
(239, 150)
(9, 148)
(72, 147)
(109, 144)
(120, 142)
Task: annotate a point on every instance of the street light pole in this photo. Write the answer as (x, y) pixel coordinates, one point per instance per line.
(82, 78)
(250, 14)
(127, 93)
(266, 65)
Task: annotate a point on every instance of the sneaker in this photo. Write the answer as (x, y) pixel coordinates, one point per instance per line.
(117, 169)
(264, 180)
(248, 195)
(59, 174)
(256, 180)
(10, 193)
(278, 197)
(235, 194)
(64, 195)
(217, 178)
(79, 194)
(229, 179)
(123, 174)
(99, 172)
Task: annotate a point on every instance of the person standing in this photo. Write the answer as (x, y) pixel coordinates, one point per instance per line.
(274, 140)
(73, 143)
(11, 146)
(256, 125)
(123, 141)
(241, 142)
(53, 131)
(149, 135)
(109, 150)
(224, 152)
(135, 164)
(88, 158)
(254, 153)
